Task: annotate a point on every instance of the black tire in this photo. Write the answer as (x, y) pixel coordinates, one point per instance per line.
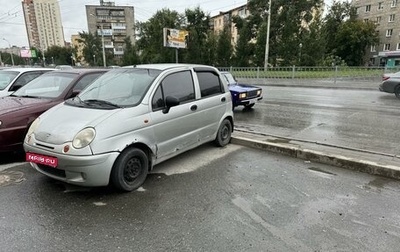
(397, 91)
(130, 170)
(249, 105)
(224, 133)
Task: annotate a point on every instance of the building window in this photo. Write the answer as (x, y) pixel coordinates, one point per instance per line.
(366, 20)
(386, 47)
(394, 3)
(398, 47)
(378, 19)
(373, 49)
(391, 18)
(380, 6)
(368, 8)
(389, 32)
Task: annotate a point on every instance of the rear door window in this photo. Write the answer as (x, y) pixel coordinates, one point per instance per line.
(210, 83)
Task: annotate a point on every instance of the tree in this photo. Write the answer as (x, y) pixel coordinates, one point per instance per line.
(244, 49)
(131, 55)
(198, 26)
(92, 49)
(59, 55)
(289, 20)
(224, 48)
(150, 42)
(353, 38)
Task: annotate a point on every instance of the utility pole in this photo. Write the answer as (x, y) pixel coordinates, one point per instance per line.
(267, 39)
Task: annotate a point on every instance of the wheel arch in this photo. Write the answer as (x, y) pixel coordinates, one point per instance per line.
(146, 149)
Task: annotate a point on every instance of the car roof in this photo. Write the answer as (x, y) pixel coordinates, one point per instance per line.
(83, 70)
(27, 69)
(165, 66)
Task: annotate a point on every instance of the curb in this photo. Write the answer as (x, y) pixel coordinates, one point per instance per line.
(319, 87)
(359, 165)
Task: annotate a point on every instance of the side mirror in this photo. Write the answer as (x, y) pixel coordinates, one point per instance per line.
(170, 101)
(75, 92)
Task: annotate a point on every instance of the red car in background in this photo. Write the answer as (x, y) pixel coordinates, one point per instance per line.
(20, 109)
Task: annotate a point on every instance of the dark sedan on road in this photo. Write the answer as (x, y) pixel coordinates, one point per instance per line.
(391, 83)
(20, 109)
(242, 94)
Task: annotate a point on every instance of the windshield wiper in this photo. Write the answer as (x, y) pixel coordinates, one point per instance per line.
(27, 96)
(100, 102)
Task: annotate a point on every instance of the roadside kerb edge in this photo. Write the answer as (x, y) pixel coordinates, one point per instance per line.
(359, 165)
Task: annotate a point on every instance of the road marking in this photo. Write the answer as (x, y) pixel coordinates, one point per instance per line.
(8, 166)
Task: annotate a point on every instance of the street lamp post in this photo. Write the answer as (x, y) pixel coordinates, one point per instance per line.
(94, 60)
(102, 44)
(102, 41)
(267, 39)
(300, 46)
(12, 57)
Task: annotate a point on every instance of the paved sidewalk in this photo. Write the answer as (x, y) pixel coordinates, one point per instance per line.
(358, 160)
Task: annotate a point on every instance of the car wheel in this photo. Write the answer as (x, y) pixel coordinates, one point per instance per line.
(130, 170)
(224, 133)
(397, 91)
(249, 105)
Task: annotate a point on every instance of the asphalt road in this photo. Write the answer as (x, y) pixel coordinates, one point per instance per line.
(209, 199)
(360, 119)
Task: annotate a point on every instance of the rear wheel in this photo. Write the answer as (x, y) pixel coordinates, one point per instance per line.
(397, 91)
(224, 133)
(130, 170)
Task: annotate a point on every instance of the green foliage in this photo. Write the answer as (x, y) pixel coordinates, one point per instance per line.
(244, 49)
(150, 42)
(224, 48)
(92, 50)
(131, 54)
(59, 55)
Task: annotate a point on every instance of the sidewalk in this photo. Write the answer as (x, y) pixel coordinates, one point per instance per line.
(340, 83)
(357, 160)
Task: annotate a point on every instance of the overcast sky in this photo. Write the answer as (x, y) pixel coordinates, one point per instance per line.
(73, 15)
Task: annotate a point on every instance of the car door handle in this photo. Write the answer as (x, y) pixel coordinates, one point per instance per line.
(223, 99)
(193, 108)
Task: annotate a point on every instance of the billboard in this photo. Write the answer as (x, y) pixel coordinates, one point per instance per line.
(175, 38)
(28, 53)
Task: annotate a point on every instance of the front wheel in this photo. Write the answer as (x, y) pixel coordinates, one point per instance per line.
(224, 133)
(397, 91)
(130, 170)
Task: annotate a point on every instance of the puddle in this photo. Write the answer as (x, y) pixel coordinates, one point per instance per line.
(379, 182)
(11, 177)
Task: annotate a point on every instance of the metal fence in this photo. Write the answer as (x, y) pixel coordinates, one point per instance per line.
(334, 74)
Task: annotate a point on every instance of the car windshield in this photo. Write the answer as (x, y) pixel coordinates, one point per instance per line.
(49, 85)
(120, 87)
(229, 78)
(6, 77)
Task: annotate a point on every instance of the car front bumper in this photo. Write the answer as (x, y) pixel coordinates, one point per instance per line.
(247, 101)
(93, 170)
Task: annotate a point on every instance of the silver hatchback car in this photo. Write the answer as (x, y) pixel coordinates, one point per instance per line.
(129, 120)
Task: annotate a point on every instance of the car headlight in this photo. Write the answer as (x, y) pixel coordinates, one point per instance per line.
(258, 92)
(242, 96)
(33, 126)
(83, 138)
(1, 123)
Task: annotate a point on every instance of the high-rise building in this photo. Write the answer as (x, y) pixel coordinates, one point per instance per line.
(113, 23)
(386, 15)
(43, 23)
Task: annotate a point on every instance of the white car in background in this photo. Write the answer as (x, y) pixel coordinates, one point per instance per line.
(11, 79)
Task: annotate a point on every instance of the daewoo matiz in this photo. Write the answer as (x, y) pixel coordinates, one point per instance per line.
(129, 120)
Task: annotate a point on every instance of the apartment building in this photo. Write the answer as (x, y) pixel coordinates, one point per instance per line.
(113, 23)
(225, 19)
(386, 15)
(43, 23)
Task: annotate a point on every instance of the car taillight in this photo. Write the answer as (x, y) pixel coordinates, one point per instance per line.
(385, 78)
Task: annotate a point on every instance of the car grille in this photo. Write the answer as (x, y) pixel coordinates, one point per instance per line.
(252, 94)
(52, 171)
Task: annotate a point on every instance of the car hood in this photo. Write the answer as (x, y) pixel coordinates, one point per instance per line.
(242, 87)
(61, 123)
(12, 104)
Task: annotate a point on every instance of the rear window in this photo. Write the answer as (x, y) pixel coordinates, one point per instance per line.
(210, 84)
